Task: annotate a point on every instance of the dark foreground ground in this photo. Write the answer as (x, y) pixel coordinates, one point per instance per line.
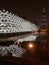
(9, 60)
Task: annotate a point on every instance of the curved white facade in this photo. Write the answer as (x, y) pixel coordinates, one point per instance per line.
(10, 23)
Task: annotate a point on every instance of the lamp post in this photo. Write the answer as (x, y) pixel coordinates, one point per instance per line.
(31, 48)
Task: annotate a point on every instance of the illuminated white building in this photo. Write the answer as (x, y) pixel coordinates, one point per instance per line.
(10, 23)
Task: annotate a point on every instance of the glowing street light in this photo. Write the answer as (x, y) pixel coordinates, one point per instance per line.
(31, 49)
(31, 45)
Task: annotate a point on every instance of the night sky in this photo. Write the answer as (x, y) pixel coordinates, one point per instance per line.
(32, 10)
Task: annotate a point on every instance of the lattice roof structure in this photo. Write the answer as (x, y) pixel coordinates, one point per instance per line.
(10, 23)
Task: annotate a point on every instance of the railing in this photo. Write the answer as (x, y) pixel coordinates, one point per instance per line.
(17, 35)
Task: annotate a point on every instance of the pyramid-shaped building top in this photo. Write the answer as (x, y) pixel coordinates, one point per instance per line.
(10, 23)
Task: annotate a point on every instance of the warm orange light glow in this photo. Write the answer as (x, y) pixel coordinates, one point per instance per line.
(31, 45)
(44, 31)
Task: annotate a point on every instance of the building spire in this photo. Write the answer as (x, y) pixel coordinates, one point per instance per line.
(43, 10)
(43, 18)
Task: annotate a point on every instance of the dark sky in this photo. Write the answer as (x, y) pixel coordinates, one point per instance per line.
(32, 10)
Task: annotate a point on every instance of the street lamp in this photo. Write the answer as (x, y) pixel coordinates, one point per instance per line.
(31, 45)
(31, 49)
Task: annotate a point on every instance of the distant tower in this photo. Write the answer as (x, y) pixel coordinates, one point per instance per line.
(43, 19)
(43, 38)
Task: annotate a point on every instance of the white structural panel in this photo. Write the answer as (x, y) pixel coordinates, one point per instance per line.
(28, 38)
(10, 23)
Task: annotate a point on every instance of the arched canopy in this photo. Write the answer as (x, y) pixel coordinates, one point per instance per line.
(11, 23)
